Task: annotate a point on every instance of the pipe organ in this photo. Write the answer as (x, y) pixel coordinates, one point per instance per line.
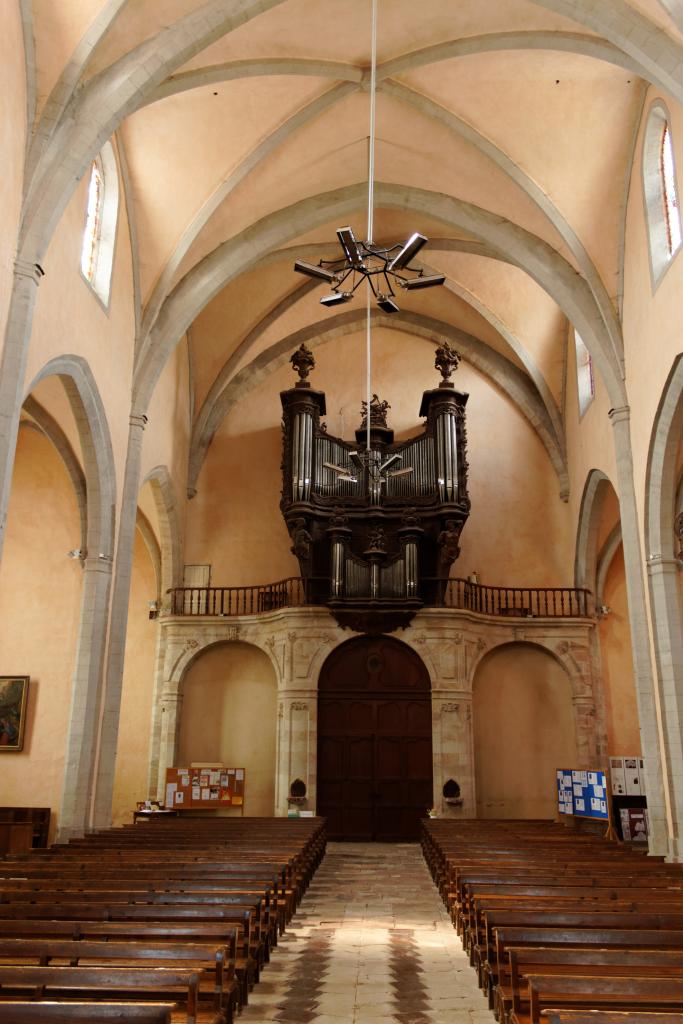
(375, 527)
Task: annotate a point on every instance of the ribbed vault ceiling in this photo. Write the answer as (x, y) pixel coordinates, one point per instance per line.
(505, 132)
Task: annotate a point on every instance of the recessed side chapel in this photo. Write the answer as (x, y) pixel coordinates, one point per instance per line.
(182, 580)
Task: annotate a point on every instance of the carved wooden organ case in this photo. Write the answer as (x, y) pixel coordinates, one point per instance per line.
(375, 531)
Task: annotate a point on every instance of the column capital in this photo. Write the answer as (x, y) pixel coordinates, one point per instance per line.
(99, 563)
(620, 414)
(33, 271)
(658, 564)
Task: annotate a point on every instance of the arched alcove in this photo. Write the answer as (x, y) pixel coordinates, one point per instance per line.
(618, 684)
(40, 599)
(229, 715)
(374, 740)
(523, 731)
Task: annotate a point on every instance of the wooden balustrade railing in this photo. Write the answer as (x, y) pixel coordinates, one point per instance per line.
(524, 602)
(295, 592)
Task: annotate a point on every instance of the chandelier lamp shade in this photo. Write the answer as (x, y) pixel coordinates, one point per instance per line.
(386, 269)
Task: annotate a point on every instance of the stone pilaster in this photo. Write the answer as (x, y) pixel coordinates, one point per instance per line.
(640, 640)
(109, 729)
(27, 277)
(297, 744)
(663, 584)
(453, 751)
(81, 744)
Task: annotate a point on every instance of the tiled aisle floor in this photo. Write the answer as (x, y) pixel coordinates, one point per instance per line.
(372, 943)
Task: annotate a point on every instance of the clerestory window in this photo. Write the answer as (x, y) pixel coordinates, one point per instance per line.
(99, 235)
(585, 379)
(661, 192)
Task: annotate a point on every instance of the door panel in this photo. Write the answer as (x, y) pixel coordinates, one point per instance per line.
(377, 784)
(374, 740)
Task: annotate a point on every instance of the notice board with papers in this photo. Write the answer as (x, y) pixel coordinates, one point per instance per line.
(583, 793)
(205, 788)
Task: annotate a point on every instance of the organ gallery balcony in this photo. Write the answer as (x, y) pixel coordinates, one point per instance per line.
(453, 593)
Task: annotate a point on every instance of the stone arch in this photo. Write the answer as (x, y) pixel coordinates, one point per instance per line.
(165, 503)
(595, 491)
(507, 241)
(633, 33)
(605, 559)
(229, 714)
(146, 531)
(515, 767)
(96, 448)
(100, 480)
(514, 382)
(47, 425)
(180, 652)
(662, 566)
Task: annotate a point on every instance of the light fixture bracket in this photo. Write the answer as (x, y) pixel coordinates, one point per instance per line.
(384, 268)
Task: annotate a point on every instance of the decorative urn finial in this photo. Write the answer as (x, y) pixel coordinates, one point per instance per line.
(303, 362)
(446, 362)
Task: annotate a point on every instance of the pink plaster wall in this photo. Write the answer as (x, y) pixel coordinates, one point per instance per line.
(40, 598)
(623, 735)
(235, 524)
(229, 715)
(523, 731)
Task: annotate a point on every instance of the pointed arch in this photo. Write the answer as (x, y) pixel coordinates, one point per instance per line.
(492, 364)
(507, 241)
(100, 478)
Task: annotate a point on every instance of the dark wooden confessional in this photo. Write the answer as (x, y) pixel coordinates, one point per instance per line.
(375, 531)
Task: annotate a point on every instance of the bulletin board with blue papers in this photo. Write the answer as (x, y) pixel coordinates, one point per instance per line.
(583, 793)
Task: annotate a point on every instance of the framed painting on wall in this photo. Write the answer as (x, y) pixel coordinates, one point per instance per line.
(13, 699)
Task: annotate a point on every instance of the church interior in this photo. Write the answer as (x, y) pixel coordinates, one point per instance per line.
(186, 478)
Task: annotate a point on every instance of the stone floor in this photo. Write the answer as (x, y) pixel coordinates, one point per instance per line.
(372, 943)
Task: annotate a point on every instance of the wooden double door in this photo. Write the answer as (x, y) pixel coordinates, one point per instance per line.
(374, 741)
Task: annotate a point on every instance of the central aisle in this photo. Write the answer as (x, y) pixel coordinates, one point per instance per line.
(371, 942)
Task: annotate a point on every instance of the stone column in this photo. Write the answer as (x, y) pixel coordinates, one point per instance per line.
(81, 743)
(170, 710)
(665, 606)
(583, 707)
(118, 625)
(640, 640)
(153, 773)
(453, 750)
(297, 745)
(27, 277)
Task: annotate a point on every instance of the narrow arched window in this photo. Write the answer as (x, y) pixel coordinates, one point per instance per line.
(585, 380)
(669, 191)
(660, 191)
(99, 235)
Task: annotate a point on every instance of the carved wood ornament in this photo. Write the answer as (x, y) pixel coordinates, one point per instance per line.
(375, 530)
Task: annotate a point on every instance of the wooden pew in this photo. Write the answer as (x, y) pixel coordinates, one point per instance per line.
(608, 1017)
(510, 993)
(46, 1011)
(145, 933)
(216, 967)
(108, 982)
(574, 938)
(595, 992)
